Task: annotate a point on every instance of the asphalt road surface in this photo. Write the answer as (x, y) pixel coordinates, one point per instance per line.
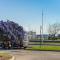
(34, 55)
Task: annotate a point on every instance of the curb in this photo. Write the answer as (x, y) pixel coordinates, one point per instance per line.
(12, 58)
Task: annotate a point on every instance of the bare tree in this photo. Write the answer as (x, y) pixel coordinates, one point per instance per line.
(54, 29)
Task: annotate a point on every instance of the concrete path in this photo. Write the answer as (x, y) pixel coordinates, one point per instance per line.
(34, 55)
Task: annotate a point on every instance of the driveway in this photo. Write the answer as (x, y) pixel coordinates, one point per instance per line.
(34, 55)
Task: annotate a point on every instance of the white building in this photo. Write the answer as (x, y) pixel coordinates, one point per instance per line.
(31, 35)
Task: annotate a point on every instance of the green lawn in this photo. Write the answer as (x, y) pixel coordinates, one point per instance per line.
(45, 48)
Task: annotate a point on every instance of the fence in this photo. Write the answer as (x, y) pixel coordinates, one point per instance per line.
(45, 42)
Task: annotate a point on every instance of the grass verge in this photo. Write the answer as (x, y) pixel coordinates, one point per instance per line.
(45, 48)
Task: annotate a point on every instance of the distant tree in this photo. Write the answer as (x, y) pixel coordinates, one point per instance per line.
(53, 30)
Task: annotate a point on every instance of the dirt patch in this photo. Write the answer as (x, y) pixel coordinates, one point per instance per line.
(5, 56)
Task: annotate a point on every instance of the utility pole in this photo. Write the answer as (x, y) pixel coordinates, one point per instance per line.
(42, 26)
(40, 34)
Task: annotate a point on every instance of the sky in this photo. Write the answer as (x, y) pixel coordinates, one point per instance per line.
(28, 13)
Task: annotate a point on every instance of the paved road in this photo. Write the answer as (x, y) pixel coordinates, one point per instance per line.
(34, 55)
